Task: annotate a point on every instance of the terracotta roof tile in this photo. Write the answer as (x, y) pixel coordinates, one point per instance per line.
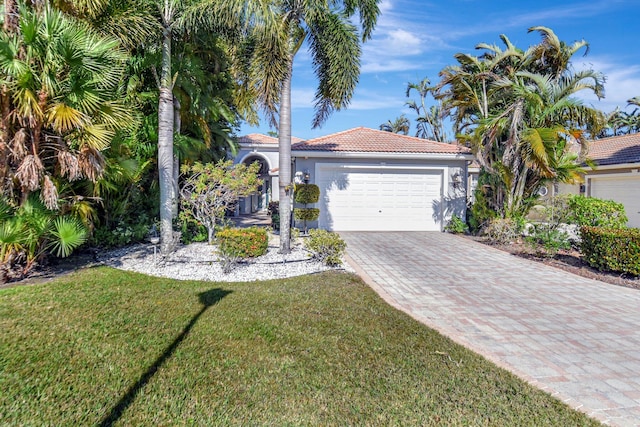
(367, 140)
(616, 150)
(258, 138)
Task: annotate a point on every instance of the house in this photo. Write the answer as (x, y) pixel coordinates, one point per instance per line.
(371, 179)
(616, 175)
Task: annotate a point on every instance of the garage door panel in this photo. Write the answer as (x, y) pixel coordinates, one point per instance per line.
(395, 200)
(623, 189)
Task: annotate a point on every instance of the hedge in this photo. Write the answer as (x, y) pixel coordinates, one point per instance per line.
(612, 249)
(242, 242)
(591, 211)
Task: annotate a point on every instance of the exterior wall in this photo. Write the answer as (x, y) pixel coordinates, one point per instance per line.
(454, 195)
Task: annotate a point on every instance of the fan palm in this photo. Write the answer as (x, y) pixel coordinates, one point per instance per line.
(61, 83)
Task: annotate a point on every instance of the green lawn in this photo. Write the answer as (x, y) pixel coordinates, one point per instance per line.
(106, 347)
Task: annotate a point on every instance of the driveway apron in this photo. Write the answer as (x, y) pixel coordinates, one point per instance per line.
(576, 338)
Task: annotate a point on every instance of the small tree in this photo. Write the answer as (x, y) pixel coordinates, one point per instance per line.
(210, 190)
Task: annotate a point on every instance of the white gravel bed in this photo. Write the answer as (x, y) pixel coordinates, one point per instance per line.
(198, 261)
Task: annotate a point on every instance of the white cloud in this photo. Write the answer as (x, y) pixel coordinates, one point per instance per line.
(623, 83)
(302, 98)
(387, 65)
(370, 100)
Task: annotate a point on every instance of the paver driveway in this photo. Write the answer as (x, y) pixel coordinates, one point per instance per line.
(576, 338)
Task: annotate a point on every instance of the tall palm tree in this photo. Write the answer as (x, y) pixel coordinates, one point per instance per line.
(334, 44)
(62, 83)
(430, 119)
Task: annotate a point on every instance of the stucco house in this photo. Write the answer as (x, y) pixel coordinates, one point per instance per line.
(369, 179)
(616, 175)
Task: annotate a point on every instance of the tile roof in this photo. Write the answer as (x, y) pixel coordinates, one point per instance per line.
(258, 138)
(615, 150)
(367, 140)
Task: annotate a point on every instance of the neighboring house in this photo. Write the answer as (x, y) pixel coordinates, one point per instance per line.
(374, 180)
(616, 175)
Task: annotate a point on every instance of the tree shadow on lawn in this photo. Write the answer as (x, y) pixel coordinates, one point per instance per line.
(207, 299)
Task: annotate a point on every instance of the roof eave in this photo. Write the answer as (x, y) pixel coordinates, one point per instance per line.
(381, 155)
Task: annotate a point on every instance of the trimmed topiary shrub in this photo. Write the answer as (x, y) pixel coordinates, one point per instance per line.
(306, 214)
(307, 193)
(610, 249)
(242, 242)
(591, 211)
(326, 246)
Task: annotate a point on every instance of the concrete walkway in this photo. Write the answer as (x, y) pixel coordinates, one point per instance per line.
(578, 339)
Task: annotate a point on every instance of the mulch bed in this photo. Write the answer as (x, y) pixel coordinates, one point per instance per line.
(570, 261)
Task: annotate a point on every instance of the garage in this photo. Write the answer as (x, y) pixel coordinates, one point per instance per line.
(388, 198)
(622, 189)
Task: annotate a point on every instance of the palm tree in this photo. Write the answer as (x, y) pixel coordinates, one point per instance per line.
(61, 81)
(399, 125)
(517, 112)
(430, 119)
(335, 48)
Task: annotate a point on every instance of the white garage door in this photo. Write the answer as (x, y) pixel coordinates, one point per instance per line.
(625, 190)
(375, 199)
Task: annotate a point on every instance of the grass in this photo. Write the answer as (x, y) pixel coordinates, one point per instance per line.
(107, 347)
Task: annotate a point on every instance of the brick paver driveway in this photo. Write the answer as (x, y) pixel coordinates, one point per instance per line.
(576, 338)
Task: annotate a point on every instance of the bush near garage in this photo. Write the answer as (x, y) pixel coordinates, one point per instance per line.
(327, 247)
(242, 242)
(612, 249)
(594, 212)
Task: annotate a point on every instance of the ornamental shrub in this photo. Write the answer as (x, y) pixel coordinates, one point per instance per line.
(242, 242)
(591, 211)
(327, 247)
(611, 249)
(456, 225)
(503, 230)
(306, 214)
(307, 193)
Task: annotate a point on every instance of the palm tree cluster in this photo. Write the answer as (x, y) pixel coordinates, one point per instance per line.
(517, 111)
(623, 122)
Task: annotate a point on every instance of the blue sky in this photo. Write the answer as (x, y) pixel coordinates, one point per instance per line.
(414, 39)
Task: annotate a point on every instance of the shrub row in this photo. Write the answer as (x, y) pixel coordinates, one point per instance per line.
(612, 249)
(242, 242)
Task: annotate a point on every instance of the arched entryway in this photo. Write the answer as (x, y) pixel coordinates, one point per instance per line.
(258, 201)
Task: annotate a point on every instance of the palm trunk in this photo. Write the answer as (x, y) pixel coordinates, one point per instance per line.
(177, 124)
(165, 145)
(284, 146)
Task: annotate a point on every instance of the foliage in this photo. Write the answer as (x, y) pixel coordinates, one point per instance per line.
(326, 246)
(121, 234)
(307, 193)
(61, 104)
(482, 211)
(209, 190)
(456, 225)
(400, 125)
(30, 232)
(612, 249)
(242, 242)
(430, 121)
(591, 211)
(517, 111)
(548, 239)
(503, 230)
(101, 330)
(306, 214)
